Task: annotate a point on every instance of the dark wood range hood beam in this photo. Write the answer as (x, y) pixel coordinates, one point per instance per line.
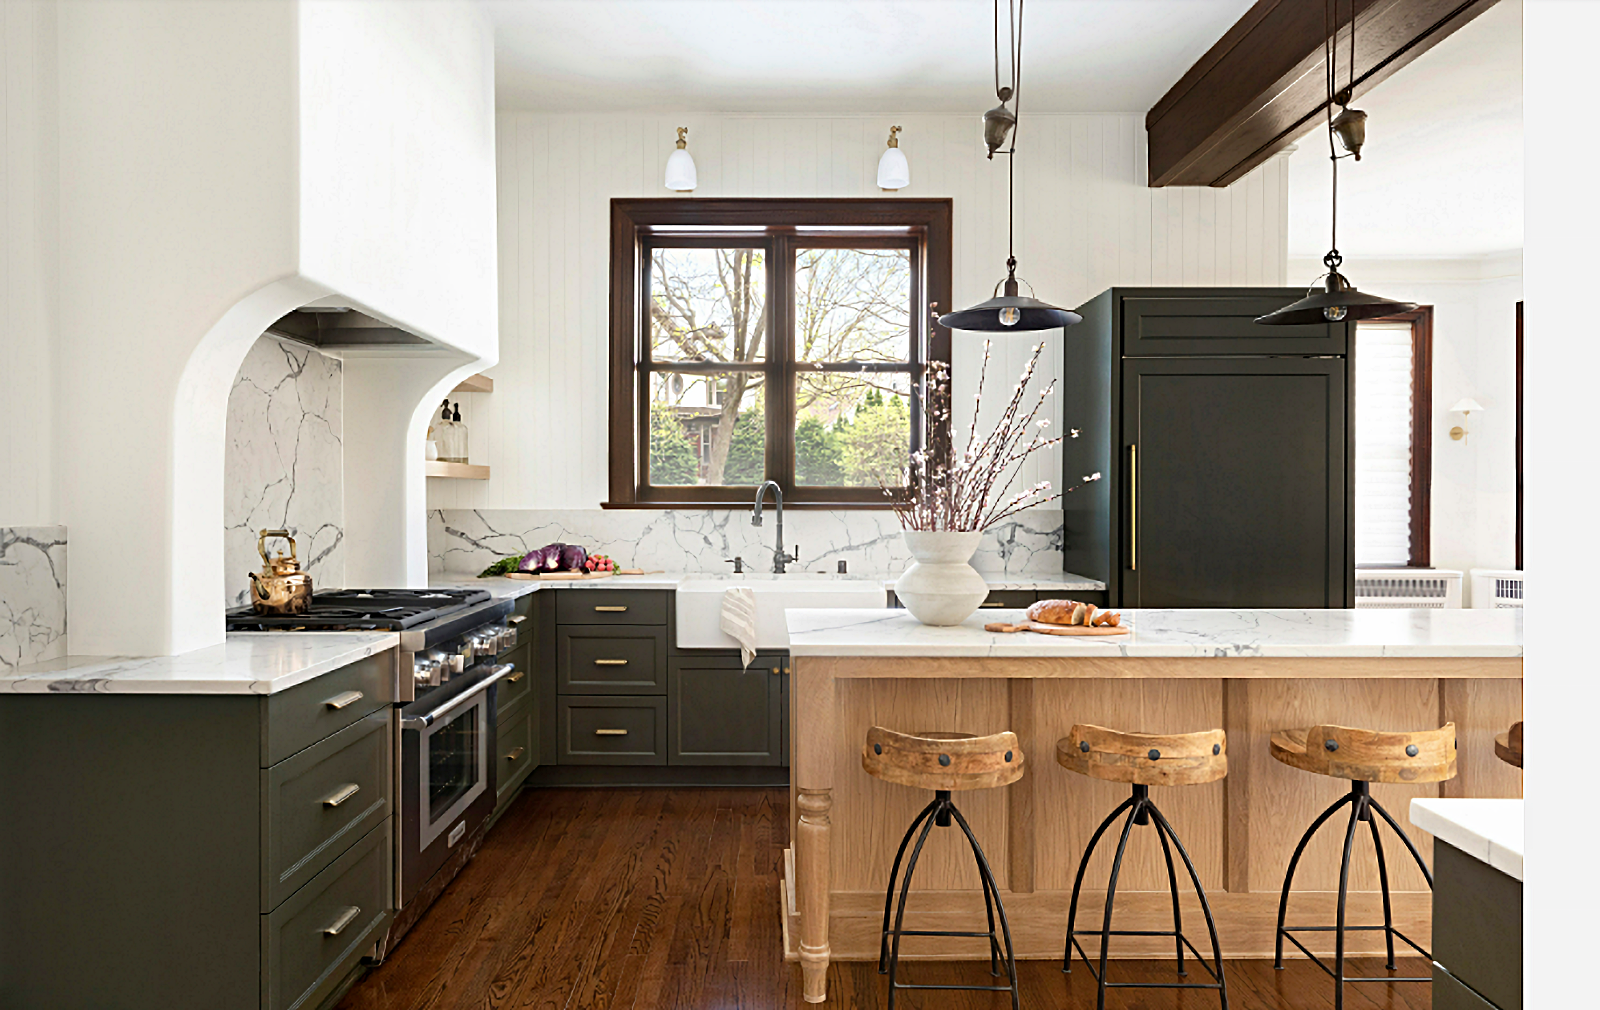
(1262, 85)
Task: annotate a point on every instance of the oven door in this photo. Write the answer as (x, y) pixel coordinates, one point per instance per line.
(446, 776)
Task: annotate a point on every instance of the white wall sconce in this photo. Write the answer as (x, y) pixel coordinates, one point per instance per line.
(1464, 406)
(681, 176)
(893, 171)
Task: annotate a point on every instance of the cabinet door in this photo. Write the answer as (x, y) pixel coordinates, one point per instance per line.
(719, 713)
(1236, 491)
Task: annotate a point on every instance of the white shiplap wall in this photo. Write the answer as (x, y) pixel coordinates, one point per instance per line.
(1085, 221)
(27, 254)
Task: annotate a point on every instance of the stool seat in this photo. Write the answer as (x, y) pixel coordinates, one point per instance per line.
(942, 761)
(1508, 745)
(1150, 759)
(1365, 755)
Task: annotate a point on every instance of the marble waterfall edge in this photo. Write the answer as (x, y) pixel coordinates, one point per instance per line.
(33, 594)
(465, 541)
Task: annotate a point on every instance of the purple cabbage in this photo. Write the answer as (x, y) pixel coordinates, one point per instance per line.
(530, 561)
(573, 557)
(550, 557)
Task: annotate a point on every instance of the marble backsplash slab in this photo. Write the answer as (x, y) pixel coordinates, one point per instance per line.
(700, 540)
(285, 462)
(33, 594)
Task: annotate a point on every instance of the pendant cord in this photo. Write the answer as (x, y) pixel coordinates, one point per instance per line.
(1330, 24)
(1016, 111)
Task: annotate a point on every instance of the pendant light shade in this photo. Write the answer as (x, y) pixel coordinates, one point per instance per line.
(893, 171)
(681, 177)
(1333, 300)
(1010, 312)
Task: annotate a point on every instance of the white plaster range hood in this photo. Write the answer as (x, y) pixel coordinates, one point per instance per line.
(268, 156)
(334, 327)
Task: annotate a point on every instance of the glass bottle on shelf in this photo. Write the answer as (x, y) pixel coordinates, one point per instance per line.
(458, 438)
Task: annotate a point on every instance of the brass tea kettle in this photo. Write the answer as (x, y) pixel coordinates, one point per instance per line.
(281, 588)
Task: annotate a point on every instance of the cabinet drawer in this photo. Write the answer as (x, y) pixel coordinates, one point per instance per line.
(302, 715)
(1009, 599)
(621, 660)
(611, 606)
(1222, 323)
(516, 750)
(519, 683)
(314, 938)
(317, 802)
(613, 731)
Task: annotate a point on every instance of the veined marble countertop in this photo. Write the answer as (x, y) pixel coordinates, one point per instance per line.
(1488, 830)
(504, 589)
(247, 663)
(1169, 633)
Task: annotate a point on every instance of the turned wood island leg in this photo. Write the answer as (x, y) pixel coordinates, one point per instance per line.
(814, 701)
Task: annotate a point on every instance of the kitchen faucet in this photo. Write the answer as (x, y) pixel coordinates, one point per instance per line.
(779, 558)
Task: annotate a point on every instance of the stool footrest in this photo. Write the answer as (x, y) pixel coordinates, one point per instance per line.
(1088, 963)
(935, 932)
(969, 988)
(1289, 931)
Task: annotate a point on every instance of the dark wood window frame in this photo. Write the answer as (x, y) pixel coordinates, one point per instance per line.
(924, 224)
(1421, 321)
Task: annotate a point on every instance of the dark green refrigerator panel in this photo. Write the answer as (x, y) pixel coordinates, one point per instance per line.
(1234, 483)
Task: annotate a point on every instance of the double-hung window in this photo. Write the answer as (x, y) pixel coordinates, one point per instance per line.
(782, 340)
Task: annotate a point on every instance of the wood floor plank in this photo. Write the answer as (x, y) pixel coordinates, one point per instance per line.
(666, 899)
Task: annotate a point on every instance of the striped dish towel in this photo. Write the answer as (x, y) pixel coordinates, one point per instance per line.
(739, 620)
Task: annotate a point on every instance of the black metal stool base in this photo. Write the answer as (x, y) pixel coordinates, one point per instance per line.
(1362, 807)
(1141, 810)
(941, 812)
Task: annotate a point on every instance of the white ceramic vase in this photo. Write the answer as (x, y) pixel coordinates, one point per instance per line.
(941, 588)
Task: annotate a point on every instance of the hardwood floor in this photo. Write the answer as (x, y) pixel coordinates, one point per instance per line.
(666, 898)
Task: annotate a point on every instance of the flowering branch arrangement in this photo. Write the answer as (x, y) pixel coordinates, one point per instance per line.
(959, 494)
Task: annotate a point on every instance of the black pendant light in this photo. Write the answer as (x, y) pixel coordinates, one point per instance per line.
(1008, 311)
(1333, 299)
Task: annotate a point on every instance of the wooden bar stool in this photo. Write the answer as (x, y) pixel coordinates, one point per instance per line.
(1363, 756)
(1508, 745)
(1144, 760)
(943, 762)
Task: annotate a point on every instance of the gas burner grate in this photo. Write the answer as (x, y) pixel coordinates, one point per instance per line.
(363, 610)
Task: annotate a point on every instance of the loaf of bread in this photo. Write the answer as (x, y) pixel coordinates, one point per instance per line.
(1071, 612)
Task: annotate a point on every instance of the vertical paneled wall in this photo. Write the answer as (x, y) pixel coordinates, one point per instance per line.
(27, 258)
(1085, 221)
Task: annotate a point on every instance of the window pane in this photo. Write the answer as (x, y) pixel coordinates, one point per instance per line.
(1383, 443)
(852, 305)
(853, 429)
(707, 429)
(708, 305)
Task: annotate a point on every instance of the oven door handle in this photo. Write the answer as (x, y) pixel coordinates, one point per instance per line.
(428, 719)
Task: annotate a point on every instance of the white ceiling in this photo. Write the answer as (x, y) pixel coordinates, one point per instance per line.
(1441, 173)
(841, 56)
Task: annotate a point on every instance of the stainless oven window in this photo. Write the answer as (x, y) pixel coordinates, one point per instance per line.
(453, 762)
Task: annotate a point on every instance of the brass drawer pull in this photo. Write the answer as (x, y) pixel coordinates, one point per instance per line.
(611, 610)
(515, 754)
(342, 921)
(516, 677)
(611, 662)
(516, 619)
(340, 795)
(991, 604)
(345, 700)
(610, 732)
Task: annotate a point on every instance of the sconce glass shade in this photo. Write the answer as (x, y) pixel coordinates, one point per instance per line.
(1010, 313)
(1334, 300)
(681, 177)
(893, 170)
(1466, 405)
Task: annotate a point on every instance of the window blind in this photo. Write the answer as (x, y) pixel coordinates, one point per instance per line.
(1383, 443)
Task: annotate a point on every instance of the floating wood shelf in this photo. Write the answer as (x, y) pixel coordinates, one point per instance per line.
(465, 471)
(479, 383)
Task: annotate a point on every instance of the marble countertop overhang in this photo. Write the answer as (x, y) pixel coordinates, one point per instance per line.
(1172, 634)
(1489, 830)
(247, 663)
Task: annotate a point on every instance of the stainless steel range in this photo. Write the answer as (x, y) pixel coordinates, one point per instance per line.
(451, 644)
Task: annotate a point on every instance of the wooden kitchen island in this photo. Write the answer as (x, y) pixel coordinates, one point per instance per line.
(1248, 672)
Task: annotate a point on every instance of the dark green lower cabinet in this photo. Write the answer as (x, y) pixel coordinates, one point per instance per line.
(516, 748)
(719, 713)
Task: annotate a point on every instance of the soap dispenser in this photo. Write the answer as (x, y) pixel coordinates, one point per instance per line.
(458, 449)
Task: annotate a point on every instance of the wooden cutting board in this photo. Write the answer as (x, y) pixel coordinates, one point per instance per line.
(559, 576)
(1056, 629)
